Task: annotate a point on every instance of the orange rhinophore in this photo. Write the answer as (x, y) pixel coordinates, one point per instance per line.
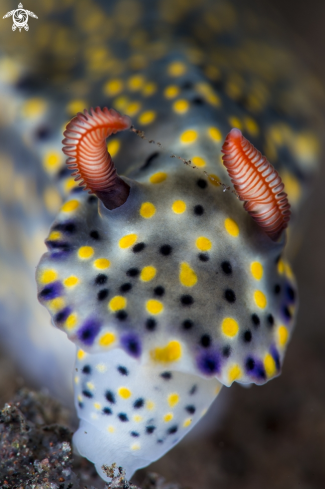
(85, 144)
(257, 183)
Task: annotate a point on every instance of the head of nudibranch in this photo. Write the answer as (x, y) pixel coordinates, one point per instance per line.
(167, 286)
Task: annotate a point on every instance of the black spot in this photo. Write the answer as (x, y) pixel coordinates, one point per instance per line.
(256, 320)
(291, 293)
(123, 417)
(166, 375)
(92, 199)
(172, 430)
(250, 364)
(101, 279)
(121, 315)
(122, 370)
(86, 369)
(139, 403)
(63, 172)
(187, 85)
(150, 429)
(204, 257)
(107, 410)
(160, 441)
(151, 324)
(80, 404)
(198, 101)
(277, 289)
(165, 249)
(110, 397)
(62, 315)
(270, 320)
(187, 324)
(205, 340)
(149, 160)
(247, 336)
(202, 183)
(187, 300)
(94, 235)
(193, 390)
(198, 210)
(43, 133)
(287, 312)
(226, 351)
(102, 294)
(77, 190)
(230, 296)
(126, 287)
(226, 267)
(87, 394)
(138, 247)
(190, 409)
(133, 272)
(135, 434)
(277, 259)
(159, 290)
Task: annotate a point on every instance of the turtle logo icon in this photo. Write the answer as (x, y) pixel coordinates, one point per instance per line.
(20, 18)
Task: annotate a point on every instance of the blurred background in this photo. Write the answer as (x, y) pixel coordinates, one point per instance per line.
(271, 436)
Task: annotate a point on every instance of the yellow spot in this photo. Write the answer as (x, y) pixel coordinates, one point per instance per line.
(101, 367)
(257, 270)
(283, 335)
(198, 161)
(135, 82)
(149, 89)
(173, 399)
(52, 199)
(214, 179)
(171, 91)
(81, 354)
(169, 353)
(229, 327)
(97, 405)
(177, 68)
(187, 422)
(135, 446)
(71, 281)
(280, 267)
(150, 405)
(188, 137)
(54, 236)
(291, 186)
(124, 392)
(76, 106)
(69, 184)
(179, 206)
(235, 122)
(107, 339)
(34, 107)
(147, 210)
(85, 252)
(48, 276)
(234, 373)
(168, 417)
(288, 271)
(116, 303)
(187, 276)
(121, 102)
(71, 322)
(70, 206)
(113, 147)
(154, 307)
(147, 117)
(90, 386)
(102, 263)
(231, 227)
(269, 364)
(137, 418)
(148, 273)
(113, 87)
(251, 126)
(111, 429)
(215, 134)
(79, 398)
(52, 161)
(203, 244)
(181, 106)
(158, 177)
(128, 240)
(132, 108)
(76, 379)
(260, 299)
(57, 303)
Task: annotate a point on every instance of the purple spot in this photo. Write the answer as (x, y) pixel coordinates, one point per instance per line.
(62, 315)
(51, 291)
(208, 362)
(255, 368)
(291, 294)
(286, 314)
(276, 357)
(88, 332)
(58, 245)
(131, 344)
(60, 255)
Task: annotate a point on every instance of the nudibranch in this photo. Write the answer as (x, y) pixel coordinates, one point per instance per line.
(168, 288)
